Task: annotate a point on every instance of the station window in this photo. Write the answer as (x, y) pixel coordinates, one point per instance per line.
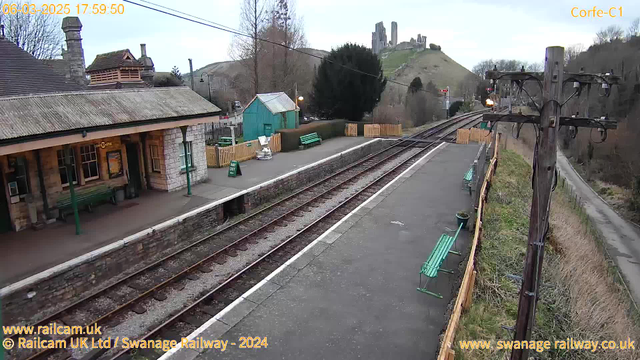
(89, 159)
(18, 180)
(189, 156)
(63, 170)
(155, 157)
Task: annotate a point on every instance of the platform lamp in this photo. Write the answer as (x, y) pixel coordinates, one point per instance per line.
(208, 83)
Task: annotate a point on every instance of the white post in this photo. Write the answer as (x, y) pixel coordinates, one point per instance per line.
(233, 134)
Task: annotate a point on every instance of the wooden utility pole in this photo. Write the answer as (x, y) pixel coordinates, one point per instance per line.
(544, 167)
(543, 177)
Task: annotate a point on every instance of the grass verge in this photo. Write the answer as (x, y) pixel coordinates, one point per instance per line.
(581, 297)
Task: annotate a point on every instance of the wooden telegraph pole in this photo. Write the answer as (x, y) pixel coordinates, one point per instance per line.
(543, 178)
(544, 167)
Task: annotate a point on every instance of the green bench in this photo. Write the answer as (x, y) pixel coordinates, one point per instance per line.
(433, 265)
(310, 139)
(466, 180)
(85, 198)
(225, 141)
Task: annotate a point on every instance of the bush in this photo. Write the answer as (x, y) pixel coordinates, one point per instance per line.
(433, 46)
(453, 109)
(326, 129)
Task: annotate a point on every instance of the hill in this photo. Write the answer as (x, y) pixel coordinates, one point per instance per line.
(430, 65)
(226, 75)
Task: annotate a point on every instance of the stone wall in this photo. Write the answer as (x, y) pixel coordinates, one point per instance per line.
(176, 177)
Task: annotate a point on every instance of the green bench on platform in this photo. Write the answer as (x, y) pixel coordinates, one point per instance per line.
(225, 141)
(466, 180)
(310, 139)
(433, 264)
(85, 197)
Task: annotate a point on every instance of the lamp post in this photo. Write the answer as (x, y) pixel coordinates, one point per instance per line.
(208, 83)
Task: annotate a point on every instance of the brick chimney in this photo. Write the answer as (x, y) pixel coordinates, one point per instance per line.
(149, 70)
(74, 55)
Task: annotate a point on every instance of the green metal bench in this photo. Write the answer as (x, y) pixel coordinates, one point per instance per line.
(85, 197)
(225, 141)
(466, 180)
(310, 139)
(433, 265)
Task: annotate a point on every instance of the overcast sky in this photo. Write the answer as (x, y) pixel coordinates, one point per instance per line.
(468, 31)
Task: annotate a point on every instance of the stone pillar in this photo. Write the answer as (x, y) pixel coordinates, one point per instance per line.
(74, 55)
(149, 69)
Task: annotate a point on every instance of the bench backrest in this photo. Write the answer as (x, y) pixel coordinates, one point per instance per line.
(84, 192)
(309, 136)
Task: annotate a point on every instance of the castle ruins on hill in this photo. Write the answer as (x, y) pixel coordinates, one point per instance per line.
(379, 39)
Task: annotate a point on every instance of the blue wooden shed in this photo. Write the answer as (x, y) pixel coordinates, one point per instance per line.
(267, 113)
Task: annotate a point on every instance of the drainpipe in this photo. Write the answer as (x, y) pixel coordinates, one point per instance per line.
(186, 157)
(147, 176)
(43, 190)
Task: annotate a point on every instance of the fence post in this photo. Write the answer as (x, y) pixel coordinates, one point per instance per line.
(216, 153)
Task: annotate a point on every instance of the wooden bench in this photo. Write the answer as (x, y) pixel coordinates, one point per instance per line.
(310, 139)
(85, 197)
(432, 266)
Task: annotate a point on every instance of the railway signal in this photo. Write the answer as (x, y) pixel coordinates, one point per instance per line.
(544, 173)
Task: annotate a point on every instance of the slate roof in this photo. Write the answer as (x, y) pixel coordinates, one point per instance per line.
(113, 60)
(22, 117)
(277, 102)
(21, 73)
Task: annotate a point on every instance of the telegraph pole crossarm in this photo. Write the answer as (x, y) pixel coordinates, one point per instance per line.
(548, 121)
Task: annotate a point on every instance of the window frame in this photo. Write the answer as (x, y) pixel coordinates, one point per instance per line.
(74, 166)
(155, 158)
(189, 154)
(88, 162)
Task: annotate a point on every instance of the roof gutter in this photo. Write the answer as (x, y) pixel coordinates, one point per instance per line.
(51, 135)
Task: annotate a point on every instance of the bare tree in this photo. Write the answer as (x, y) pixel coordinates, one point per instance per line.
(482, 67)
(535, 67)
(38, 34)
(247, 49)
(468, 85)
(634, 28)
(572, 52)
(609, 34)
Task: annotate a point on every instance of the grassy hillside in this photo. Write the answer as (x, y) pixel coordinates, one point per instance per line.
(434, 65)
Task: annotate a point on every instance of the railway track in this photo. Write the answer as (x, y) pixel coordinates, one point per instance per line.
(110, 306)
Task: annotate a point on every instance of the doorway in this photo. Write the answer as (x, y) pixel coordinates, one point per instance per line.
(133, 161)
(5, 217)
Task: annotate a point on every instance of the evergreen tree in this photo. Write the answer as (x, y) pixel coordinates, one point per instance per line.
(175, 72)
(340, 92)
(415, 86)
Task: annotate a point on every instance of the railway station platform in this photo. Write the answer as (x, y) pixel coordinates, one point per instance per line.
(352, 292)
(29, 252)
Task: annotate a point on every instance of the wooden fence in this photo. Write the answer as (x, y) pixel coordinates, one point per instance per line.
(465, 136)
(350, 129)
(222, 156)
(375, 130)
(465, 293)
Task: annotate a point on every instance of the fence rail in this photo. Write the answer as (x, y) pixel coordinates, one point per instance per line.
(222, 156)
(465, 293)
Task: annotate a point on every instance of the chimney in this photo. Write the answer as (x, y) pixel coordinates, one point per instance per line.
(74, 55)
(149, 70)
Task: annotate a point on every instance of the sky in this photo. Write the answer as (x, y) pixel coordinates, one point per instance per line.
(468, 31)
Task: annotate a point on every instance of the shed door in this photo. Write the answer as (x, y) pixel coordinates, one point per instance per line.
(268, 130)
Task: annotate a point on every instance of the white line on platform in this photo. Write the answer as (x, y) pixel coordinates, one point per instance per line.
(257, 286)
(9, 289)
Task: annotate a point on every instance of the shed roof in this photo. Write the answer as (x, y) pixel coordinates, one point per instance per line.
(114, 60)
(26, 116)
(21, 73)
(277, 102)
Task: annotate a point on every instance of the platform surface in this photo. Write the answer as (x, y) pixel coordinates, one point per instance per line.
(28, 252)
(353, 294)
